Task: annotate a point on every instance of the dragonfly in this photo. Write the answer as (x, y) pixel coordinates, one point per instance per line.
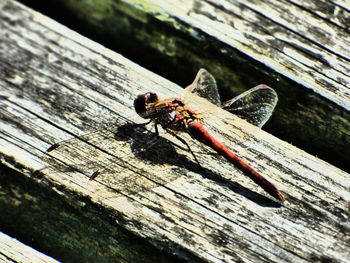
(174, 115)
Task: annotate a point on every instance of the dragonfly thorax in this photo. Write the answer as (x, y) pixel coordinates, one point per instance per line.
(172, 113)
(177, 116)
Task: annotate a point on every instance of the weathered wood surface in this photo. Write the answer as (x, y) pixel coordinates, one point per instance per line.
(300, 48)
(11, 250)
(56, 84)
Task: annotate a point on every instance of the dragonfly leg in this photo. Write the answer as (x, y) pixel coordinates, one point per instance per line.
(156, 129)
(165, 127)
(184, 142)
(144, 123)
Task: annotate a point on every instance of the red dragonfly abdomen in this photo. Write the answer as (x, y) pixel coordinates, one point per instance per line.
(198, 132)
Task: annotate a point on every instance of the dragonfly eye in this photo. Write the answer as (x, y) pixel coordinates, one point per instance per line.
(151, 97)
(142, 100)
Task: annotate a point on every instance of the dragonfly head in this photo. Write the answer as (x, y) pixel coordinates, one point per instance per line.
(142, 102)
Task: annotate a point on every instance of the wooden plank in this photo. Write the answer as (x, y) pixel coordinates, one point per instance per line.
(56, 84)
(299, 48)
(63, 225)
(11, 250)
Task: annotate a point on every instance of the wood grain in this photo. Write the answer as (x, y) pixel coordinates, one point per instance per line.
(299, 48)
(14, 251)
(56, 85)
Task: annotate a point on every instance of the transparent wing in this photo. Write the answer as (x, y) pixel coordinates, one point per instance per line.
(255, 105)
(113, 153)
(204, 85)
(87, 153)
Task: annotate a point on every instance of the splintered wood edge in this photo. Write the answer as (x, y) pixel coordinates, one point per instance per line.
(15, 251)
(291, 61)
